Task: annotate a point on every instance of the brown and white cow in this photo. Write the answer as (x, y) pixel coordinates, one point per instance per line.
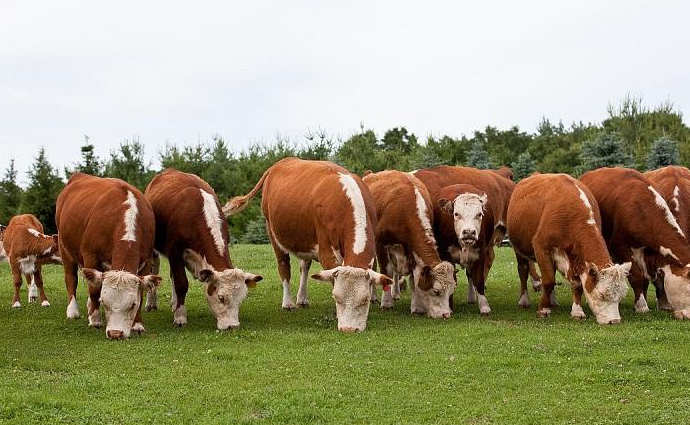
(106, 228)
(555, 221)
(405, 232)
(317, 210)
(28, 249)
(191, 231)
(465, 233)
(639, 226)
(3, 254)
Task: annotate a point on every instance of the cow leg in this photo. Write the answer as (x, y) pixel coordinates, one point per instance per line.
(661, 299)
(415, 307)
(548, 275)
(32, 288)
(180, 286)
(38, 282)
(93, 303)
(152, 294)
(534, 276)
(471, 293)
(523, 266)
(17, 280)
(302, 298)
(71, 280)
(283, 260)
(478, 276)
(138, 325)
(637, 282)
(386, 266)
(576, 312)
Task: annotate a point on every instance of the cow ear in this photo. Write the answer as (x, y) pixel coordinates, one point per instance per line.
(56, 240)
(93, 278)
(251, 279)
(626, 267)
(445, 205)
(150, 282)
(206, 275)
(425, 279)
(592, 269)
(686, 271)
(380, 279)
(326, 275)
(366, 173)
(193, 261)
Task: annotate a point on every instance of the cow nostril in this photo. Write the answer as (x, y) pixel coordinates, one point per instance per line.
(614, 322)
(234, 327)
(115, 334)
(447, 315)
(348, 330)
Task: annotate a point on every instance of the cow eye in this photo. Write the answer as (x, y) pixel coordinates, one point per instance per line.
(456, 214)
(437, 292)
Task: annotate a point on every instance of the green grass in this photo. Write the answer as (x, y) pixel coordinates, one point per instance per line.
(294, 367)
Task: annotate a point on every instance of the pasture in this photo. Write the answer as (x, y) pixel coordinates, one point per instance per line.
(295, 367)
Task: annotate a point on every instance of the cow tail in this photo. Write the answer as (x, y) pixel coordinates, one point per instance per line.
(239, 203)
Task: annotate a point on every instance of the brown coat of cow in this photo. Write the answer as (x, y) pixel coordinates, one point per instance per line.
(555, 221)
(191, 231)
(106, 227)
(27, 249)
(639, 226)
(405, 234)
(317, 210)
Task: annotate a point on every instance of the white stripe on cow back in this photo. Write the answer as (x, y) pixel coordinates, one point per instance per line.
(667, 251)
(588, 204)
(423, 215)
(359, 210)
(676, 192)
(36, 233)
(130, 217)
(664, 206)
(213, 220)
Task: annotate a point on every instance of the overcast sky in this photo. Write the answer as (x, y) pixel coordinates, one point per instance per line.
(181, 72)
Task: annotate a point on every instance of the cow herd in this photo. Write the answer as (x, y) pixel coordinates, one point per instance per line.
(610, 227)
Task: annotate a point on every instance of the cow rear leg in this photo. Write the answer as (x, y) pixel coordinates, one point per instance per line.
(32, 293)
(548, 282)
(71, 280)
(637, 281)
(523, 266)
(385, 265)
(302, 297)
(152, 293)
(38, 282)
(534, 277)
(17, 281)
(180, 286)
(576, 312)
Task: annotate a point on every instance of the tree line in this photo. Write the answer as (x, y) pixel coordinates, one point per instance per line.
(632, 135)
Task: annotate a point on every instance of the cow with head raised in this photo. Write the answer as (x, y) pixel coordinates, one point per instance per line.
(639, 226)
(405, 232)
(107, 229)
(317, 210)
(192, 233)
(27, 250)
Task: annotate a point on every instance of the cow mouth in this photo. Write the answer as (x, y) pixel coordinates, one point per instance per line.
(468, 241)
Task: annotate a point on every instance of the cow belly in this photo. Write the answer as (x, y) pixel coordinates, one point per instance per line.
(464, 256)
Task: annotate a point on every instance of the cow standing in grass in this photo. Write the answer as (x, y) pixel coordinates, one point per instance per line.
(555, 221)
(468, 220)
(107, 228)
(192, 232)
(317, 210)
(405, 233)
(27, 249)
(639, 226)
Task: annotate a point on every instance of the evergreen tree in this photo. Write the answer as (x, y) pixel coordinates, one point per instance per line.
(523, 166)
(664, 151)
(256, 232)
(128, 163)
(40, 196)
(90, 163)
(10, 194)
(478, 157)
(605, 150)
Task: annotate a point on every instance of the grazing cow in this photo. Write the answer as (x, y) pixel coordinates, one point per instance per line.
(639, 226)
(191, 231)
(107, 229)
(27, 249)
(464, 231)
(405, 232)
(505, 172)
(3, 254)
(555, 221)
(317, 210)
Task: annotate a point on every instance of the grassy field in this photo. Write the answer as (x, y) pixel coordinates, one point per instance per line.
(294, 367)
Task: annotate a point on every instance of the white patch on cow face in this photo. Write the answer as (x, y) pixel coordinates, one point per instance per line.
(351, 292)
(677, 289)
(424, 217)
(676, 193)
(435, 301)
(130, 220)
(588, 205)
(664, 206)
(28, 264)
(213, 220)
(3, 253)
(667, 251)
(359, 210)
(120, 298)
(610, 289)
(468, 211)
(228, 288)
(638, 258)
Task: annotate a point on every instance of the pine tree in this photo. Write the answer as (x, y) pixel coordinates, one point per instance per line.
(41, 194)
(129, 164)
(664, 151)
(256, 232)
(90, 163)
(523, 166)
(478, 157)
(10, 194)
(605, 150)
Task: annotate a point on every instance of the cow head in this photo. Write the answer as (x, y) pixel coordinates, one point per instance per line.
(3, 254)
(609, 287)
(677, 287)
(120, 295)
(467, 211)
(434, 286)
(225, 290)
(351, 291)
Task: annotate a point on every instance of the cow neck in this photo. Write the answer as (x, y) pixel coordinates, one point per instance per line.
(677, 244)
(39, 244)
(217, 261)
(425, 249)
(591, 249)
(126, 256)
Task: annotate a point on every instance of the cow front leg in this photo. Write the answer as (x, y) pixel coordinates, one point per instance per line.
(180, 286)
(71, 280)
(477, 273)
(17, 281)
(152, 293)
(576, 312)
(471, 291)
(93, 307)
(138, 325)
(637, 281)
(302, 297)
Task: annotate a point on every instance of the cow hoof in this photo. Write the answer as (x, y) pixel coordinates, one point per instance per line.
(524, 301)
(418, 312)
(303, 303)
(471, 300)
(151, 307)
(664, 306)
(396, 297)
(95, 324)
(374, 300)
(682, 314)
(543, 313)
(138, 328)
(485, 311)
(289, 307)
(642, 310)
(33, 300)
(45, 304)
(579, 318)
(387, 306)
(16, 304)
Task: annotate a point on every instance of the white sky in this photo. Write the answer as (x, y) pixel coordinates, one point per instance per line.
(180, 72)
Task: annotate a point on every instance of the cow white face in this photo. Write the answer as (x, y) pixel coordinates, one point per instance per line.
(677, 288)
(120, 295)
(434, 288)
(467, 211)
(225, 291)
(3, 254)
(611, 287)
(351, 291)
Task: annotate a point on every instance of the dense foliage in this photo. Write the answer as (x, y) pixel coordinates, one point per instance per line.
(631, 135)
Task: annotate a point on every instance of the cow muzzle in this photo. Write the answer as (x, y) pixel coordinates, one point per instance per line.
(115, 334)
